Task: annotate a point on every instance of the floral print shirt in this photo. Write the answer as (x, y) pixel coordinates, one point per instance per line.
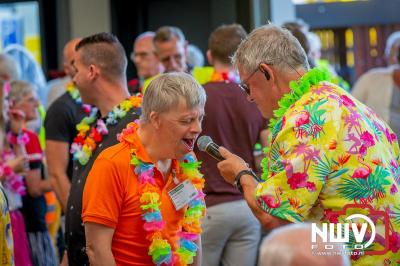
(6, 240)
(330, 150)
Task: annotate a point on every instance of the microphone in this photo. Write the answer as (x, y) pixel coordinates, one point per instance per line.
(205, 143)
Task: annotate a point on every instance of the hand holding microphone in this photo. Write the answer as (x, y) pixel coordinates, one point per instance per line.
(229, 164)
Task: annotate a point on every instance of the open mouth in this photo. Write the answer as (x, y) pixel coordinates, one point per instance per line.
(189, 143)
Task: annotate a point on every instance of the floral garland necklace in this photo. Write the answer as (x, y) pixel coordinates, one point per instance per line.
(75, 95)
(150, 194)
(13, 181)
(298, 89)
(86, 141)
(227, 76)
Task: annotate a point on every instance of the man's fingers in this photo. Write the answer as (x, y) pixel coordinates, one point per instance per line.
(224, 152)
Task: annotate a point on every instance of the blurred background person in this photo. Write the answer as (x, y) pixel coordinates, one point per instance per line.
(64, 113)
(379, 88)
(12, 167)
(171, 49)
(58, 86)
(231, 233)
(290, 245)
(146, 62)
(392, 48)
(195, 57)
(23, 98)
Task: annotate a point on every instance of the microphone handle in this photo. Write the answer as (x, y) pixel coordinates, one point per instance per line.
(212, 150)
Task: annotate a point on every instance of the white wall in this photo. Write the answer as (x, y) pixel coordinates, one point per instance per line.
(89, 16)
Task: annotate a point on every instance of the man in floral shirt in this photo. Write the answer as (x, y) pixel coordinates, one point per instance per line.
(327, 150)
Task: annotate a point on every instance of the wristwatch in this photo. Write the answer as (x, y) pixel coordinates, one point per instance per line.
(240, 174)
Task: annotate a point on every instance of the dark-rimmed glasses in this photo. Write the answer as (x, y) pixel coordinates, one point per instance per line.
(243, 85)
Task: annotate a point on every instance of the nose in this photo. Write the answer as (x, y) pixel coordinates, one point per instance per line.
(171, 64)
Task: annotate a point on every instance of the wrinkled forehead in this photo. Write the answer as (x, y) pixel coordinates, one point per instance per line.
(171, 46)
(144, 44)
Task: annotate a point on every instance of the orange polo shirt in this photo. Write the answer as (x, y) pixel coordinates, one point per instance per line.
(111, 198)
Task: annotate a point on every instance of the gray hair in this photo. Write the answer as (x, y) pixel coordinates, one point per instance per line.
(145, 35)
(9, 67)
(20, 89)
(272, 45)
(164, 92)
(393, 39)
(166, 33)
(279, 247)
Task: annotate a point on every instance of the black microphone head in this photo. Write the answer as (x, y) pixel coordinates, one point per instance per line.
(203, 142)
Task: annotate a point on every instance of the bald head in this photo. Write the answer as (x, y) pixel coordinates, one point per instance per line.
(281, 248)
(68, 56)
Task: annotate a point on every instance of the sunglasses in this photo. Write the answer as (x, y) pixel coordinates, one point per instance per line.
(243, 85)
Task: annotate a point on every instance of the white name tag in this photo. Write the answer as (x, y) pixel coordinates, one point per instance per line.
(182, 194)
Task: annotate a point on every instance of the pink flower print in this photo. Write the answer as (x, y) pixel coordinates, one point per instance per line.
(347, 101)
(302, 119)
(298, 180)
(310, 186)
(393, 137)
(394, 242)
(363, 150)
(367, 139)
(283, 122)
(390, 136)
(331, 216)
(273, 201)
(393, 189)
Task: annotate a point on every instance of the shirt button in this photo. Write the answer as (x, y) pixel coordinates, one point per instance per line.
(70, 233)
(71, 208)
(101, 144)
(79, 181)
(76, 168)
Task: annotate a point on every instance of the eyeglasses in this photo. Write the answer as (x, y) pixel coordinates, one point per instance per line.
(142, 55)
(243, 85)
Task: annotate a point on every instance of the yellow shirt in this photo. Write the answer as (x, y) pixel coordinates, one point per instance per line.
(329, 150)
(6, 240)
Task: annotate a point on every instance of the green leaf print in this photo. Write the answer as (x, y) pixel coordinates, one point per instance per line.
(284, 211)
(396, 215)
(354, 188)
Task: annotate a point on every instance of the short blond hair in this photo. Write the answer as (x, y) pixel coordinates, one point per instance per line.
(164, 92)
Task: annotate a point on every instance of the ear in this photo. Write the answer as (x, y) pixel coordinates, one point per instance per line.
(93, 72)
(209, 57)
(155, 119)
(267, 71)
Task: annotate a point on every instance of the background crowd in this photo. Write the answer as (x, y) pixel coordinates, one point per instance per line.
(50, 145)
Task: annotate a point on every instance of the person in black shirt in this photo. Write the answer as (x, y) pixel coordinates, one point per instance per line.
(100, 66)
(61, 118)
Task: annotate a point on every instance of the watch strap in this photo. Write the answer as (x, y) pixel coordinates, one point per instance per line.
(249, 172)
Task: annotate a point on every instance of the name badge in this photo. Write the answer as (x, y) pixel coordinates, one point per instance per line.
(182, 194)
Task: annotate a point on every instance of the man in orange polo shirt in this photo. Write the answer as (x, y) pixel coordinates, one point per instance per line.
(143, 198)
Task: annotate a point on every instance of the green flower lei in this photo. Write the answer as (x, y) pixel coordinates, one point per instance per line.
(298, 89)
